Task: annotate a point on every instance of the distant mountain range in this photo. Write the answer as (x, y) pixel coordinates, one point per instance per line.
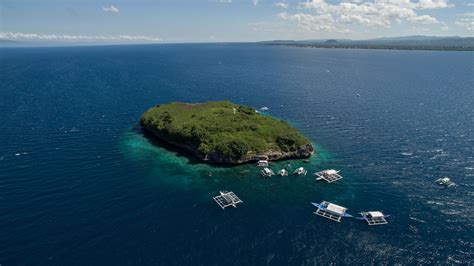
(418, 42)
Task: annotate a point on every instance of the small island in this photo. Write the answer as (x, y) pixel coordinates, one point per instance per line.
(225, 133)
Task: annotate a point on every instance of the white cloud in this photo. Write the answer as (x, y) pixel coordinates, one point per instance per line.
(466, 20)
(445, 28)
(470, 4)
(379, 13)
(111, 9)
(355, 19)
(308, 22)
(425, 20)
(421, 4)
(282, 5)
(432, 4)
(254, 2)
(76, 38)
(467, 23)
(224, 1)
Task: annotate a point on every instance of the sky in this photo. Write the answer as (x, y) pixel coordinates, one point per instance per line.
(172, 21)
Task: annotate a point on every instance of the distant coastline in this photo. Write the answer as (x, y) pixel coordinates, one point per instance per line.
(419, 42)
(379, 47)
(396, 43)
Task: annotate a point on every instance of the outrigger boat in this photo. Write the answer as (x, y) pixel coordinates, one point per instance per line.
(329, 175)
(264, 109)
(226, 199)
(267, 172)
(331, 211)
(300, 171)
(262, 163)
(445, 181)
(373, 217)
(283, 172)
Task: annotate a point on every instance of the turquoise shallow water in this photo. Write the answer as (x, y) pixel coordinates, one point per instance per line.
(187, 172)
(80, 184)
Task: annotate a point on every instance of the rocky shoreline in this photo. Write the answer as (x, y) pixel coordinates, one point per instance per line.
(304, 151)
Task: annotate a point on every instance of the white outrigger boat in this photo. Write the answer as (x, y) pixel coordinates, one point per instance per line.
(373, 217)
(264, 109)
(300, 171)
(262, 163)
(329, 175)
(445, 181)
(331, 211)
(283, 172)
(267, 172)
(226, 199)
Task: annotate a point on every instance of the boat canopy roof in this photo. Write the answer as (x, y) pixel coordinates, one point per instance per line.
(227, 197)
(336, 208)
(331, 172)
(376, 214)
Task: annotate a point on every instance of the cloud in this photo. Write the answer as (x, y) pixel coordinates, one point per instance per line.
(308, 22)
(224, 1)
(75, 38)
(111, 9)
(377, 13)
(467, 23)
(425, 20)
(282, 5)
(466, 20)
(254, 2)
(432, 4)
(421, 4)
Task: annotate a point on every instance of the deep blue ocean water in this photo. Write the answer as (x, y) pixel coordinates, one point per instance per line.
(81, 185)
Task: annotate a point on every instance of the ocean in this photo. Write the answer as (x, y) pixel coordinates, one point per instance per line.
(81, 184)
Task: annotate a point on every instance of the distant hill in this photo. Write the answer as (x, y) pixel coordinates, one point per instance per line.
(418, 42)
(332, 41)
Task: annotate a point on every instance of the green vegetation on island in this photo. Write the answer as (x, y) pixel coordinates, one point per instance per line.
(223, 132)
